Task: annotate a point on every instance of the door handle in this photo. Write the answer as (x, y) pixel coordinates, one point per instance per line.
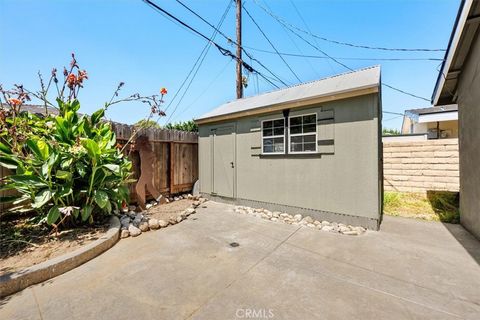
(231, 163)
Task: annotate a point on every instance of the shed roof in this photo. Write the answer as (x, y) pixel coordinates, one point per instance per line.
(354, 83)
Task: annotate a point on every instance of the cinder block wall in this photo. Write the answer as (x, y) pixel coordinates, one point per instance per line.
(421, 166)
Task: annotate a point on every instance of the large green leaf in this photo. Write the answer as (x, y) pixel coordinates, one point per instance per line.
(101, 198)
(53, 215)
(39, 147)
(41, 198)
(64, 175)
(8, 162)
(115, 168)
(5, 149)
(97, 115)
(30, 180)
(81, 168)
(92, 149)
(86, 212)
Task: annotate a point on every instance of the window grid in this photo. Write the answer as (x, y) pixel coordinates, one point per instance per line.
(274, 136)
(311, 123)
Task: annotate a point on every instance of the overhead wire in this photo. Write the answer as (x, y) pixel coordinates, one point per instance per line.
(222, 50)
(202, 56)
(270, 42)
(352, 44)
(281, 21)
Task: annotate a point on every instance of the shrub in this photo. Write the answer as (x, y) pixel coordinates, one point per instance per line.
(65, 167)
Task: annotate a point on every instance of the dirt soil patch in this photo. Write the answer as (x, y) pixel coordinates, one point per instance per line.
(23, 244)
(167, 210)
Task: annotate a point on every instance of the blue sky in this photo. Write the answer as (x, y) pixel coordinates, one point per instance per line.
(126, 40)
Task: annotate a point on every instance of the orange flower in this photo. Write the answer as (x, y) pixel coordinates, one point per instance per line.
(15, 102)
(163, 91)
(71, 80)
(82, 75)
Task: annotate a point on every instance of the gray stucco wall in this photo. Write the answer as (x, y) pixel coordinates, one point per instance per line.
(340, 183)
(469, 140)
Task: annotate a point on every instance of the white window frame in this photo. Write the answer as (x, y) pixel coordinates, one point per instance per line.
(302, 134)
(274, 136)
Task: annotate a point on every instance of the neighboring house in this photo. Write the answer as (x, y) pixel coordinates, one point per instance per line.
(313, 149)
(35, 109)
(459, 82)
(439, 122)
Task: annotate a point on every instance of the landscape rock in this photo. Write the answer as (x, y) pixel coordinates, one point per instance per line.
(308, 219)
(125, 221)
(180, 218)
(132, 208)
(327, 228)
(148, 206)
(311, 225)
(143, 226)
(190, 211)
(162, 223)
(297, 217)
(172, 220)
(134, 231)
(196, 203)
(273, 219)
(153, 224)
(124, 233)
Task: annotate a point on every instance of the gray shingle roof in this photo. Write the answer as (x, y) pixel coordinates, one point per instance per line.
(345, 82)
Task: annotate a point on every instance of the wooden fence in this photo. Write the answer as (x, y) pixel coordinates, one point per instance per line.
(176, 159)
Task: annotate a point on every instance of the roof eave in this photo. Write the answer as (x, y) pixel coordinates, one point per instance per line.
(340, 95)
(451, 50)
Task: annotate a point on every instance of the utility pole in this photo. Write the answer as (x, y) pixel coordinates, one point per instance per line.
(239, 50)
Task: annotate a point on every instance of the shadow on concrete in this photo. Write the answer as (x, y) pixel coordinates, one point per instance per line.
(466, 239)
(446, 205)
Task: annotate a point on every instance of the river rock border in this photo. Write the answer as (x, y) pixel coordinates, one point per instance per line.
(16, 281)
(135, 223)
(298, 219)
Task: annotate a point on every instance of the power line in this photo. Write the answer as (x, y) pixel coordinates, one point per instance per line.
(206, 88)
(281, 21)
(351, 44)
(222, 50)
(204, 54)
(271, 44)
(391, 112)
(230, 40)
(343, 58)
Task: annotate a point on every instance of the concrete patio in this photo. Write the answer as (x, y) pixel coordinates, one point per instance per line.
(408, 270)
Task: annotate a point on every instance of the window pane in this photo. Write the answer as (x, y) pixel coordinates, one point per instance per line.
(268, 124)
(297, 139)
(278, 131)
(309, 119)
(309, 128)
(295, 129)
(278, 144)
(296, 147)
(278, 123)
(309, 147)
(295, 121)
(309, 138)
(268, 145)
(267, 132)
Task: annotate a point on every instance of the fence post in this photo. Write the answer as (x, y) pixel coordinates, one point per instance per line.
(172, 166)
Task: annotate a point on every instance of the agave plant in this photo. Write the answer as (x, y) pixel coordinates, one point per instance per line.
(66, 167)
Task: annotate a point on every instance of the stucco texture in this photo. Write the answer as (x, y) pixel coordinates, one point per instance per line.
(469, 140)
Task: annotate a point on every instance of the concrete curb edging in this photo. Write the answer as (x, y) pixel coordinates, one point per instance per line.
(14, 282)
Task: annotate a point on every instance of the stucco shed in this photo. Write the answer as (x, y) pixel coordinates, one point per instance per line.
(314, 149)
